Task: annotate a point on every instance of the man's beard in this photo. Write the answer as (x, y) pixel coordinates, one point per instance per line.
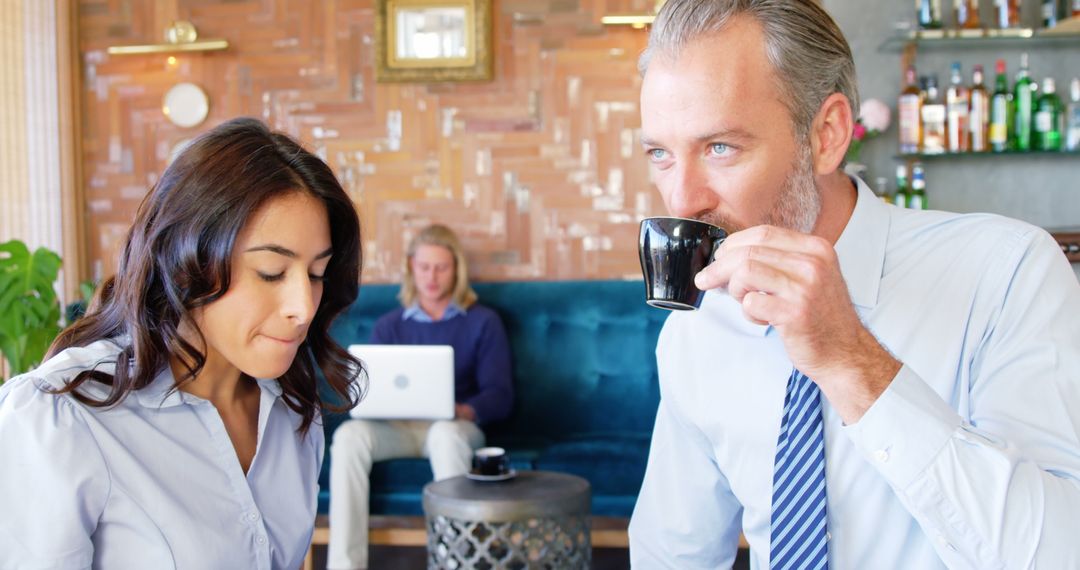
(796, 208)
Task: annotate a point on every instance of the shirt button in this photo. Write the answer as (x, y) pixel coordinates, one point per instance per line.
(828, 536)
(260, 539)
(881, 455)
(253, 517)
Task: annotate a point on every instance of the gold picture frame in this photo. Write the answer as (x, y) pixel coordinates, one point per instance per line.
(433, 40)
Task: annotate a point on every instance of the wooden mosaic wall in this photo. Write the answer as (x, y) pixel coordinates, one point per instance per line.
(539, 170)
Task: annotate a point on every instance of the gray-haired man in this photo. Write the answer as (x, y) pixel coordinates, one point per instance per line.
(864, 386)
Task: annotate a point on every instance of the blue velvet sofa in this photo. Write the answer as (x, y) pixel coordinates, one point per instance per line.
(585, 382)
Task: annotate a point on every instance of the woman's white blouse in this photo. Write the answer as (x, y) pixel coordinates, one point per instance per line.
(153, 482)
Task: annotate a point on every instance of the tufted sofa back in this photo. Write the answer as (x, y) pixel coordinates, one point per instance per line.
(583, 354)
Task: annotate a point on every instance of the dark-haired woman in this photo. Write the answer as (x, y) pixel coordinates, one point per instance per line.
(176, 425)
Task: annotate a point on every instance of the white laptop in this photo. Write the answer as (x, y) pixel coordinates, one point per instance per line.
(406, 381)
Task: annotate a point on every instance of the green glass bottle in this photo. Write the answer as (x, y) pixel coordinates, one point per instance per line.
(917, 196)
(1046, 133)
(1001, 112)
(1052, 13)
(928, 13)
(1024, 96)
(900, 198)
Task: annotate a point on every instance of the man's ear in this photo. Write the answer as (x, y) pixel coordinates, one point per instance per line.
(831, 133)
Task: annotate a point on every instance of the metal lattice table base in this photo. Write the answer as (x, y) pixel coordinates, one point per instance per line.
(539, 543)
(538, 520)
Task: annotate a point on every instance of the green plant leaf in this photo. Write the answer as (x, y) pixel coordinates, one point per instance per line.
(87, 289)
(29, 311)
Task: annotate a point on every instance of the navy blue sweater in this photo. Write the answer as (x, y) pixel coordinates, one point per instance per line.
(482, 372)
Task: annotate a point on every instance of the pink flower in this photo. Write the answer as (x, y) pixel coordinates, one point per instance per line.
(860, 132)
(875, 116)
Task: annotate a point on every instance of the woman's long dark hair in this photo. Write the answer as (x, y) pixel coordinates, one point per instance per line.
(178, 256)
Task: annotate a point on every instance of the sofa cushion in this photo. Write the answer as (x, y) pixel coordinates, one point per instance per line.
(614, 466)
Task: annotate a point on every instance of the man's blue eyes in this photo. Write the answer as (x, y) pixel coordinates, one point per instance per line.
(714, 148)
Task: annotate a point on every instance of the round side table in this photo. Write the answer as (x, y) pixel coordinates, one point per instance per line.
(537, 520)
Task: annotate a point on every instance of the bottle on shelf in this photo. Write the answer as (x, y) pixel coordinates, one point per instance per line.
(881, 188)
(917, 198)
(900, 198)
(958, 102)
(1001, 112)
(1007, 13)
(1024, 98)
(1046, 131)
(909, 114)
(1051, 13)
(933, 116)
(928, 13)
(1072, 120)
(979, 117)
(966, 14)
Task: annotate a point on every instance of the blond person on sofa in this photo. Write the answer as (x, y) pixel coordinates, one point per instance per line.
(177, 424)
(438, 307)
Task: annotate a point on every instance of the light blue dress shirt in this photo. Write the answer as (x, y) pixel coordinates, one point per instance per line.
(970, 458)
(151, 483)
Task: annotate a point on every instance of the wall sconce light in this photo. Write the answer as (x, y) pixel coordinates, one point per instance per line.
(180, 36)
(636, 21)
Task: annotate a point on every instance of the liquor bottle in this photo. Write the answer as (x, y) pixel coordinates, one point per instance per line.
(928, 13)
(966, 14)
(1024, 98)
(909, 112)
(1001, 112)
(881, 189)
(900, 198)
(1072, 127)
(1051, 13)
(933, 116)
(979, 118)
(1007, 13)
(917, 197)
(1046, 132)
(957, 100)
(1075, 8)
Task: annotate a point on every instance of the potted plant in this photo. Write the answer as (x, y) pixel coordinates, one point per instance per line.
(29, 308)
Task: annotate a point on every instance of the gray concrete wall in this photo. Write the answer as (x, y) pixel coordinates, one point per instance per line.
(1042, 190)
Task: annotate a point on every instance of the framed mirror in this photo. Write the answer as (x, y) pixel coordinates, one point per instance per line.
(433, 40)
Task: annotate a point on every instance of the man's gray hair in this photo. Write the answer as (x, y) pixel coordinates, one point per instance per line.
(808, 53)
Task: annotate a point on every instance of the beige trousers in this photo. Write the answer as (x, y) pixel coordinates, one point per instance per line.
(359, 443)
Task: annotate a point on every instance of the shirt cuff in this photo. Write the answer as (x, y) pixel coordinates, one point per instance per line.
(905, 429)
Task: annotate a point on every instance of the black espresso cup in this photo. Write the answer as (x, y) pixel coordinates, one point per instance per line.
(673, 251)
(490, 461)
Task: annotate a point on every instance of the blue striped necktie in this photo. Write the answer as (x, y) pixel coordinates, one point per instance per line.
(799, 529)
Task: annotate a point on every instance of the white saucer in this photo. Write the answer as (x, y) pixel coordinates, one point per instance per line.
(478, 477)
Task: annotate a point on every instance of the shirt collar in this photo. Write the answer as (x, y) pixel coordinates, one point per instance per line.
(415, 313)
(160, 392)
(861, 247)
